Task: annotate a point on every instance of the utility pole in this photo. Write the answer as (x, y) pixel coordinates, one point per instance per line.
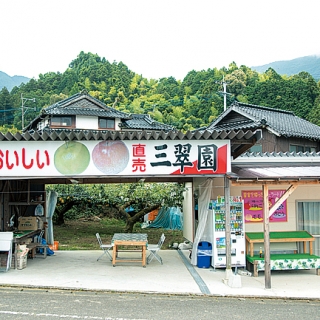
(23, 100)
(224, 84)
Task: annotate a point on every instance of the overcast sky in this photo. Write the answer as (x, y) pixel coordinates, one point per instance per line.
(155, 38)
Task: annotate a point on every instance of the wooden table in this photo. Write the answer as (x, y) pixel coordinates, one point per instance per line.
(280, 236)
(132, 240)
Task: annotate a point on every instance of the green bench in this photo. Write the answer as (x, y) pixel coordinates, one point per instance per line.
(294, 261)
(282, 261)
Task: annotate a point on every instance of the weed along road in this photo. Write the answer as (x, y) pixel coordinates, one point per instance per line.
(18, 303)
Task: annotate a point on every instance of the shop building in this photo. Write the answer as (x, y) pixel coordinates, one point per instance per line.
(246, 149)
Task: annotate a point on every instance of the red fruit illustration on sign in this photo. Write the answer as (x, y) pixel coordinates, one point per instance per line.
(110, 157)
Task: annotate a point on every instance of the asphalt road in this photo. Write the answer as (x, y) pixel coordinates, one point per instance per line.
(27, 304)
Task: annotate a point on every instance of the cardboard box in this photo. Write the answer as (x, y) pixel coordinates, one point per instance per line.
(30, 223)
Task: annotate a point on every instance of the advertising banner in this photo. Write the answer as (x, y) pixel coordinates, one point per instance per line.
(253, 206)
(114, 158)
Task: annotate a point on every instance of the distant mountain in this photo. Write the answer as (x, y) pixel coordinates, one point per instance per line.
(310, 64)
(10, 82)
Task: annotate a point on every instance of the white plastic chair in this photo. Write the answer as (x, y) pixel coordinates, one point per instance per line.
(104, 247)
(154, 248)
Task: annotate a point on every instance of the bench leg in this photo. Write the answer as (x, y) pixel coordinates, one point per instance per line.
(318, 272)
(32, 252)
(255, 269)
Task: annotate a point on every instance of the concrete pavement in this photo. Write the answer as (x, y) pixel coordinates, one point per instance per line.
(80, 270)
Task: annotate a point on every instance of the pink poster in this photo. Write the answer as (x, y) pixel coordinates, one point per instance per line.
(253, 206)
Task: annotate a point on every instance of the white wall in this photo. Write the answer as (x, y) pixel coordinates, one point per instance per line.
(302, 193)
(116, 124)
(85, 122)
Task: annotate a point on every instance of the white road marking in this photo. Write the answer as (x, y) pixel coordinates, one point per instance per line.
(66, 316)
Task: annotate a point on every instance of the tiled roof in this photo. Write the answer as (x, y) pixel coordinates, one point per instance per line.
(241, 116)
(283, 155)
(83, 104)
(145, 122)
(239, 140)
(71, 135)
(276, 158)
(277, 173)
(277, 166)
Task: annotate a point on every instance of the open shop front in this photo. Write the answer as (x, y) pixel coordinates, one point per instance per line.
(278, 216)
(27, 210)
(30, 161)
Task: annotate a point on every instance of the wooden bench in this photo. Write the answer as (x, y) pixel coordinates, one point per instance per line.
(33, 246)
(37, 244)
(282, 261)
(280, 236)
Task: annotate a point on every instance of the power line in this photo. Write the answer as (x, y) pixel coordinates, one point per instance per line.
(8, 110)
(23, 100)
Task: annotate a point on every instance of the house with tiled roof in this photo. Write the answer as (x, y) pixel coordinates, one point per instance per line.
(82, 112)
(143, 122)
(282, 130)
(285, 162)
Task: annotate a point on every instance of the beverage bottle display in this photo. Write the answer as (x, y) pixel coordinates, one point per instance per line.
(237, 241)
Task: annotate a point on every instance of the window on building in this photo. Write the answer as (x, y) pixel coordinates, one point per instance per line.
(106, 123)
(63, 121)
(298, 148)
(310, 149)
(256, 148)
(309, 220)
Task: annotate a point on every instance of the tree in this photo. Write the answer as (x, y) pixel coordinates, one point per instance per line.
(6, 108)
(167, 100)
(75, 201)
(236, 81)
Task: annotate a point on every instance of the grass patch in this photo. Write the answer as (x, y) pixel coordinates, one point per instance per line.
(81, 234)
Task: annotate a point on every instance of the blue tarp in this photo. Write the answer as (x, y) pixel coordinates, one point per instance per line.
(168, 218)
(49, 251)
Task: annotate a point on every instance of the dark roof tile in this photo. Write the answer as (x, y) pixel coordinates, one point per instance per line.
(247, 116)
(83, 104)
(143, 121)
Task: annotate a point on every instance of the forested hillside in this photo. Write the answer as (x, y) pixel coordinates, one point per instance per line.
(187, 105)
(310, 64)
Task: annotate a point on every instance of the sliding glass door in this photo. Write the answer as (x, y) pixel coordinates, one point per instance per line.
(309, 220)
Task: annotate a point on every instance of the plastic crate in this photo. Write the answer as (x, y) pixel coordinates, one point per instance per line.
(22, 262)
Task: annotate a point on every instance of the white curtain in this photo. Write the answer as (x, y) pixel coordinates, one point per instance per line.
(309, 220)
(52, 197)
(203, 231)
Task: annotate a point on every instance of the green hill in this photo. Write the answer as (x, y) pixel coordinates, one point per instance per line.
(310, 64)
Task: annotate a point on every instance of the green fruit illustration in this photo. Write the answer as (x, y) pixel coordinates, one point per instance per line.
(71, 158)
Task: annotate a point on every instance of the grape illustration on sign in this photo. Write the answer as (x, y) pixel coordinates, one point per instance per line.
(72, 158)
(110, 157)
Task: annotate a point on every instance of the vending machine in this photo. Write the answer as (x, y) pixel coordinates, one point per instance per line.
(238, 256)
